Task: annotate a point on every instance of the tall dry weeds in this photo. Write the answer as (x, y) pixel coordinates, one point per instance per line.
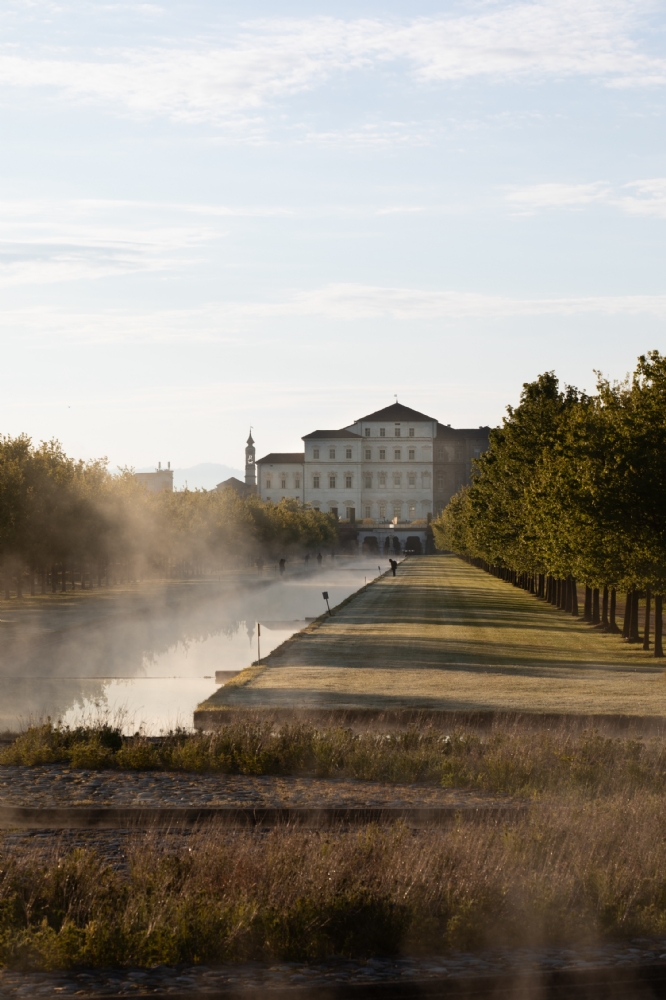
(568, 872)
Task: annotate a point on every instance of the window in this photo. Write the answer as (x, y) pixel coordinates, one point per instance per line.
(368, 480)
(350, 513)
(331, 452)
(412, 454)
(382, 432)
(382, 479)
(411, 432)
(368, 454)
(297, 482)
(315, 452)
(331, 482)
(368, 510)
(367, 432)
(397, 510)
(397, 454)
(440, 481)
(440, 454)
(283, 483)
(397, 432)
(334, 512)
(477, 453)
(268, 483)
(425, 480)
(348, 482)
(348, 453)
(397, 480)
(459, 453)
(412, 511)
(382, 511)
(315, 506)
(315, 482)
(382, 453)
(411, 479)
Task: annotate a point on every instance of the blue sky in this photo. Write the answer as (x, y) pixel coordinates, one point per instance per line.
(215, 215)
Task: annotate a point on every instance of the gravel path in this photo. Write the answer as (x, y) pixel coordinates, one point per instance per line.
(55, 785)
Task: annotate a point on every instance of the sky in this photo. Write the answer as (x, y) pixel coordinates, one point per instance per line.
(284, 215)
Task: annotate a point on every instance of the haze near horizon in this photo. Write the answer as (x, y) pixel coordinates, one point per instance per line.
(282, 215)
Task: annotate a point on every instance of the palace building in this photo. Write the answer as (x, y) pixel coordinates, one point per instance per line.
(394, 466)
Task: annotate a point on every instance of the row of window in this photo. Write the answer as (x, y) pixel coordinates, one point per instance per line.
(442, 455)
(397, 432)
(384, 510)
(397, 453)
(282, 481)
(348, 479)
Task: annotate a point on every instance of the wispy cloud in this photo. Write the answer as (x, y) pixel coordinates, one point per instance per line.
(344, 303)
(643, 197)
(268, 61)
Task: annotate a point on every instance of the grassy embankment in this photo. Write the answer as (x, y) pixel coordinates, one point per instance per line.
(444, 635)
(587, 861)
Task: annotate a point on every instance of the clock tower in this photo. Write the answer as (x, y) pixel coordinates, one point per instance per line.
(250, 467)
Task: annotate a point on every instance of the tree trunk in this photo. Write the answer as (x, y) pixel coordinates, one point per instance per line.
(612, 624)
(604, 610)
(54, 579)
(587, 613)
(658, 650)
(646, 628)
(42, 580)
(634, 619)
(7, 582)
(628, 605)
(574, 598)
(19, 582)
(63, 586)
(32, 581)
(595, 606)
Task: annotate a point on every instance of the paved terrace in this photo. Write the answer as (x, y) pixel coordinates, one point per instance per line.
(444, 635)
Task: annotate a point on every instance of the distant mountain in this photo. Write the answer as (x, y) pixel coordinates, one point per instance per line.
(204, 476)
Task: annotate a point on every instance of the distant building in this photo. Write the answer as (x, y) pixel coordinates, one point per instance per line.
(160, 479)
(250, 484)
(393, 466)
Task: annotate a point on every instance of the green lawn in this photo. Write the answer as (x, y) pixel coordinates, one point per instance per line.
(444, 635)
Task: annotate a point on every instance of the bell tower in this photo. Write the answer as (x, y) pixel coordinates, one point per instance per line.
(250, 467)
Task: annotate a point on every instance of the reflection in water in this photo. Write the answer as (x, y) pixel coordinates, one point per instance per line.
(151, 655)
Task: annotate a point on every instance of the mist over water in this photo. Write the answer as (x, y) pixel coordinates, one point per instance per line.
(147, 657)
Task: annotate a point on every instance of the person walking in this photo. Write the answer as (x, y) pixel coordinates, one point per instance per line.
(307, 559)
(394, 565)
(319, 558)
(282, 562)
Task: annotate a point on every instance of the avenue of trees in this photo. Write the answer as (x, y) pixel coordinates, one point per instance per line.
(65, 522)
(571, 496)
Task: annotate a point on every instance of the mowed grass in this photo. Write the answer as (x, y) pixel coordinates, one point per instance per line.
(444, 635)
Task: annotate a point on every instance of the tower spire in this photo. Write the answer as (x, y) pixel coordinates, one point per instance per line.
(250, 467)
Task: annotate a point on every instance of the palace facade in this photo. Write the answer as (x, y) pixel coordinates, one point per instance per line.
(396, 465)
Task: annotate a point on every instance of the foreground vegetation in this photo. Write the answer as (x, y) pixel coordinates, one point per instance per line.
(564, 874)
(514, 759)
(64, 522)
(570, 492)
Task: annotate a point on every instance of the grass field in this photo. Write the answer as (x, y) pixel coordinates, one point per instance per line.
(444, 635)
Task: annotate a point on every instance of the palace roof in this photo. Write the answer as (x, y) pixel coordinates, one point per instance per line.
(283, 458)
(330, 434)
(396, 411)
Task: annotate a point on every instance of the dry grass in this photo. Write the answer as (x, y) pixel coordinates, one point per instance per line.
(445, 635)
(507, 758)
(568, 873)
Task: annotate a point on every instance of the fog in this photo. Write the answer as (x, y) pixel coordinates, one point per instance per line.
(145, 658)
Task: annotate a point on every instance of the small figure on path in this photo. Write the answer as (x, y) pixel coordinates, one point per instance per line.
(307, 558)
(319, 558)
(282, 562)
(394, 565)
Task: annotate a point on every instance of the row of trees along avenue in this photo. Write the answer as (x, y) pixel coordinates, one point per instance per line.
(572, 494)
(63, 520)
